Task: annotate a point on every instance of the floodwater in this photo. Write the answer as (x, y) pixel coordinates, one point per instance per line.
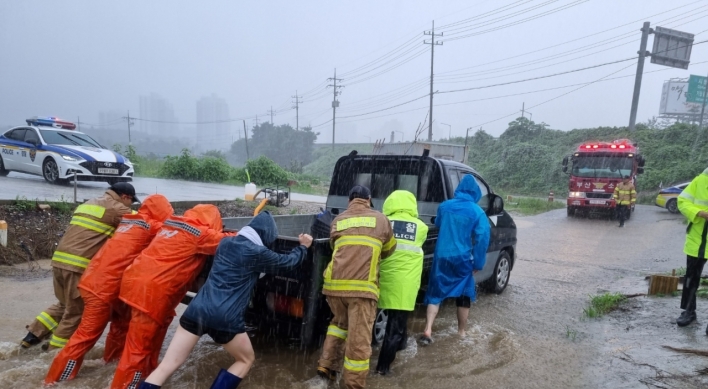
(531, 336)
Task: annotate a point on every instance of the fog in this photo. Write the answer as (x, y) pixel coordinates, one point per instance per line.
(92, 61)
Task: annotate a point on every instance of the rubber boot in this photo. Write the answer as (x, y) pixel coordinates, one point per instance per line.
(147, 385)
(225, 380)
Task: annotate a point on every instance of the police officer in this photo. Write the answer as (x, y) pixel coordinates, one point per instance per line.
(400, 273)
(693, 203)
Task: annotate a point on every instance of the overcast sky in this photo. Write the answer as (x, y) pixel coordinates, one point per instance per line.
(77, 58)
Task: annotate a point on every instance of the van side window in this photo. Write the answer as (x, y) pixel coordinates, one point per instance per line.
(484, 201)
(454, 180)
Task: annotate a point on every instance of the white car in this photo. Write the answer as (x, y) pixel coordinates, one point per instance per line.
(52, 148)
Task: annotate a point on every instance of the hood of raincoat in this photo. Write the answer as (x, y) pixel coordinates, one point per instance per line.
(264, 225)
(468, 190)
(206, 215)
(156, 207)
(400, 201)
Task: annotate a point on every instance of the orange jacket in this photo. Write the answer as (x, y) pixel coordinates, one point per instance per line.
(158, 278)
(134, 233)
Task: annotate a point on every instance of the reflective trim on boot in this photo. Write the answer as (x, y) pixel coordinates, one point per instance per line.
(147, 385)
(225, 380)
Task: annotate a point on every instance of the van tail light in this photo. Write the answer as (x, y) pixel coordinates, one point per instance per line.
(285, 305)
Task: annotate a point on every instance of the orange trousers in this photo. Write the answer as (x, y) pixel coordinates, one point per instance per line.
(142, 350)
(97, 314)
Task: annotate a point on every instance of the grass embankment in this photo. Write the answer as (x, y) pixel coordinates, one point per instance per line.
(530, 206)
(603, 303)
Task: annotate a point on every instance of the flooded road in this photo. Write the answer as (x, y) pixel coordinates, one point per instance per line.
(531, 336)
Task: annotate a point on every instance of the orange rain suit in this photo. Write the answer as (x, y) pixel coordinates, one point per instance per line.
(157, 281)
(100, 285)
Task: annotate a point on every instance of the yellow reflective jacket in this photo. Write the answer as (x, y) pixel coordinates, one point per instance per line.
(360, 237)
(400, 273)
(91, 225)
(625, 194)
(692, 200)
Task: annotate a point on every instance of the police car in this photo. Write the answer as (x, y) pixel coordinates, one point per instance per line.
(52, 148)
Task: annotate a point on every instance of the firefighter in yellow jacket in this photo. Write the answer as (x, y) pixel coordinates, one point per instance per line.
(693, 204)
(360, 237)
(91, 225)
(625, 196)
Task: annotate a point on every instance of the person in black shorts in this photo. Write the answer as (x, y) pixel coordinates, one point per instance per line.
(219, 307)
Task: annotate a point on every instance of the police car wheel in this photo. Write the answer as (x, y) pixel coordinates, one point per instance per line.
(672, 206)
(379, 330)
(500, 278)
(50, 171)
(3, 172)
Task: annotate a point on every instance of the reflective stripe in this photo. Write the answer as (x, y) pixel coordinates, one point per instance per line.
(351, 286)
(354, 365)
(92, 225)
(71, 259)
(389, 245)
(700, 202)
(364, 221)
(409, 247)
(57, 341)
(96, 211)
(47, 321)
(336, 331)
(686, 196)
(358, 240)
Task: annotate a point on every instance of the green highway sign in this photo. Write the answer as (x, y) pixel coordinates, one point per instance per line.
(696, 89)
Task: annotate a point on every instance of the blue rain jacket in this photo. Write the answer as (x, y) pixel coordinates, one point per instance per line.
(221, 303)
(460, 220)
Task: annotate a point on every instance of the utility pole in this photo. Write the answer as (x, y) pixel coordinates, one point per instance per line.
(256, 120)
(245, 134)
(127, 118)
(523, 106)
(335, 102)
(78, 122)
(640, 71)
(271, 115)
(432, 44)
(297, 103)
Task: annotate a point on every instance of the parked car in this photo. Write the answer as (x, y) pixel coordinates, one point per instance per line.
(293, 304)
(53, 149)
(667, 197)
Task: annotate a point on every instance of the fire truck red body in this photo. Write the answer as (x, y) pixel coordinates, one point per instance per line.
(597, 168)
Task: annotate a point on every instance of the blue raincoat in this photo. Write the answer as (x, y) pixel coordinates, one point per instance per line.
(222, 301)
(460, 220)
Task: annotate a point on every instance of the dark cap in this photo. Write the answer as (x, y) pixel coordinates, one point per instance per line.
(359, 192)
(124, 188)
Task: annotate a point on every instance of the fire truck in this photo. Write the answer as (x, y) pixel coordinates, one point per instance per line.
(596, 169)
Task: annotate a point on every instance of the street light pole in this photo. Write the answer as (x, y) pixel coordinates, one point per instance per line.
(449, 130)
(402, 134)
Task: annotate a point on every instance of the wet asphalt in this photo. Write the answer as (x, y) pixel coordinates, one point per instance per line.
(533, 335)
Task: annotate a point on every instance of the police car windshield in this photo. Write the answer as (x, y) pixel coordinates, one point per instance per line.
(602, 166)
(54, 137)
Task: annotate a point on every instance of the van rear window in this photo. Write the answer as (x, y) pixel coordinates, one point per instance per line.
(383, 175)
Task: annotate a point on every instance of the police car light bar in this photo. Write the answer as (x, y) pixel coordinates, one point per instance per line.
(51, 122)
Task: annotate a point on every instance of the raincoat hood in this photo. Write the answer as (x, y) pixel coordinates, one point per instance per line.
(206, 215)
(156, 207)
(264, 225)
(400, 201)
(468, 190)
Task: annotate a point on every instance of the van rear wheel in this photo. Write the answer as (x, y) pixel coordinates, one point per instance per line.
(500, 278)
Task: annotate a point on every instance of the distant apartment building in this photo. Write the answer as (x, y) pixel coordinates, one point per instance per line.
(111, 119)
(213, 127)
(156, 116)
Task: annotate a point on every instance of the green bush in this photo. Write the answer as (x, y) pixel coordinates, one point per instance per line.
(188, 167)
(264, 171)
(214, 169)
